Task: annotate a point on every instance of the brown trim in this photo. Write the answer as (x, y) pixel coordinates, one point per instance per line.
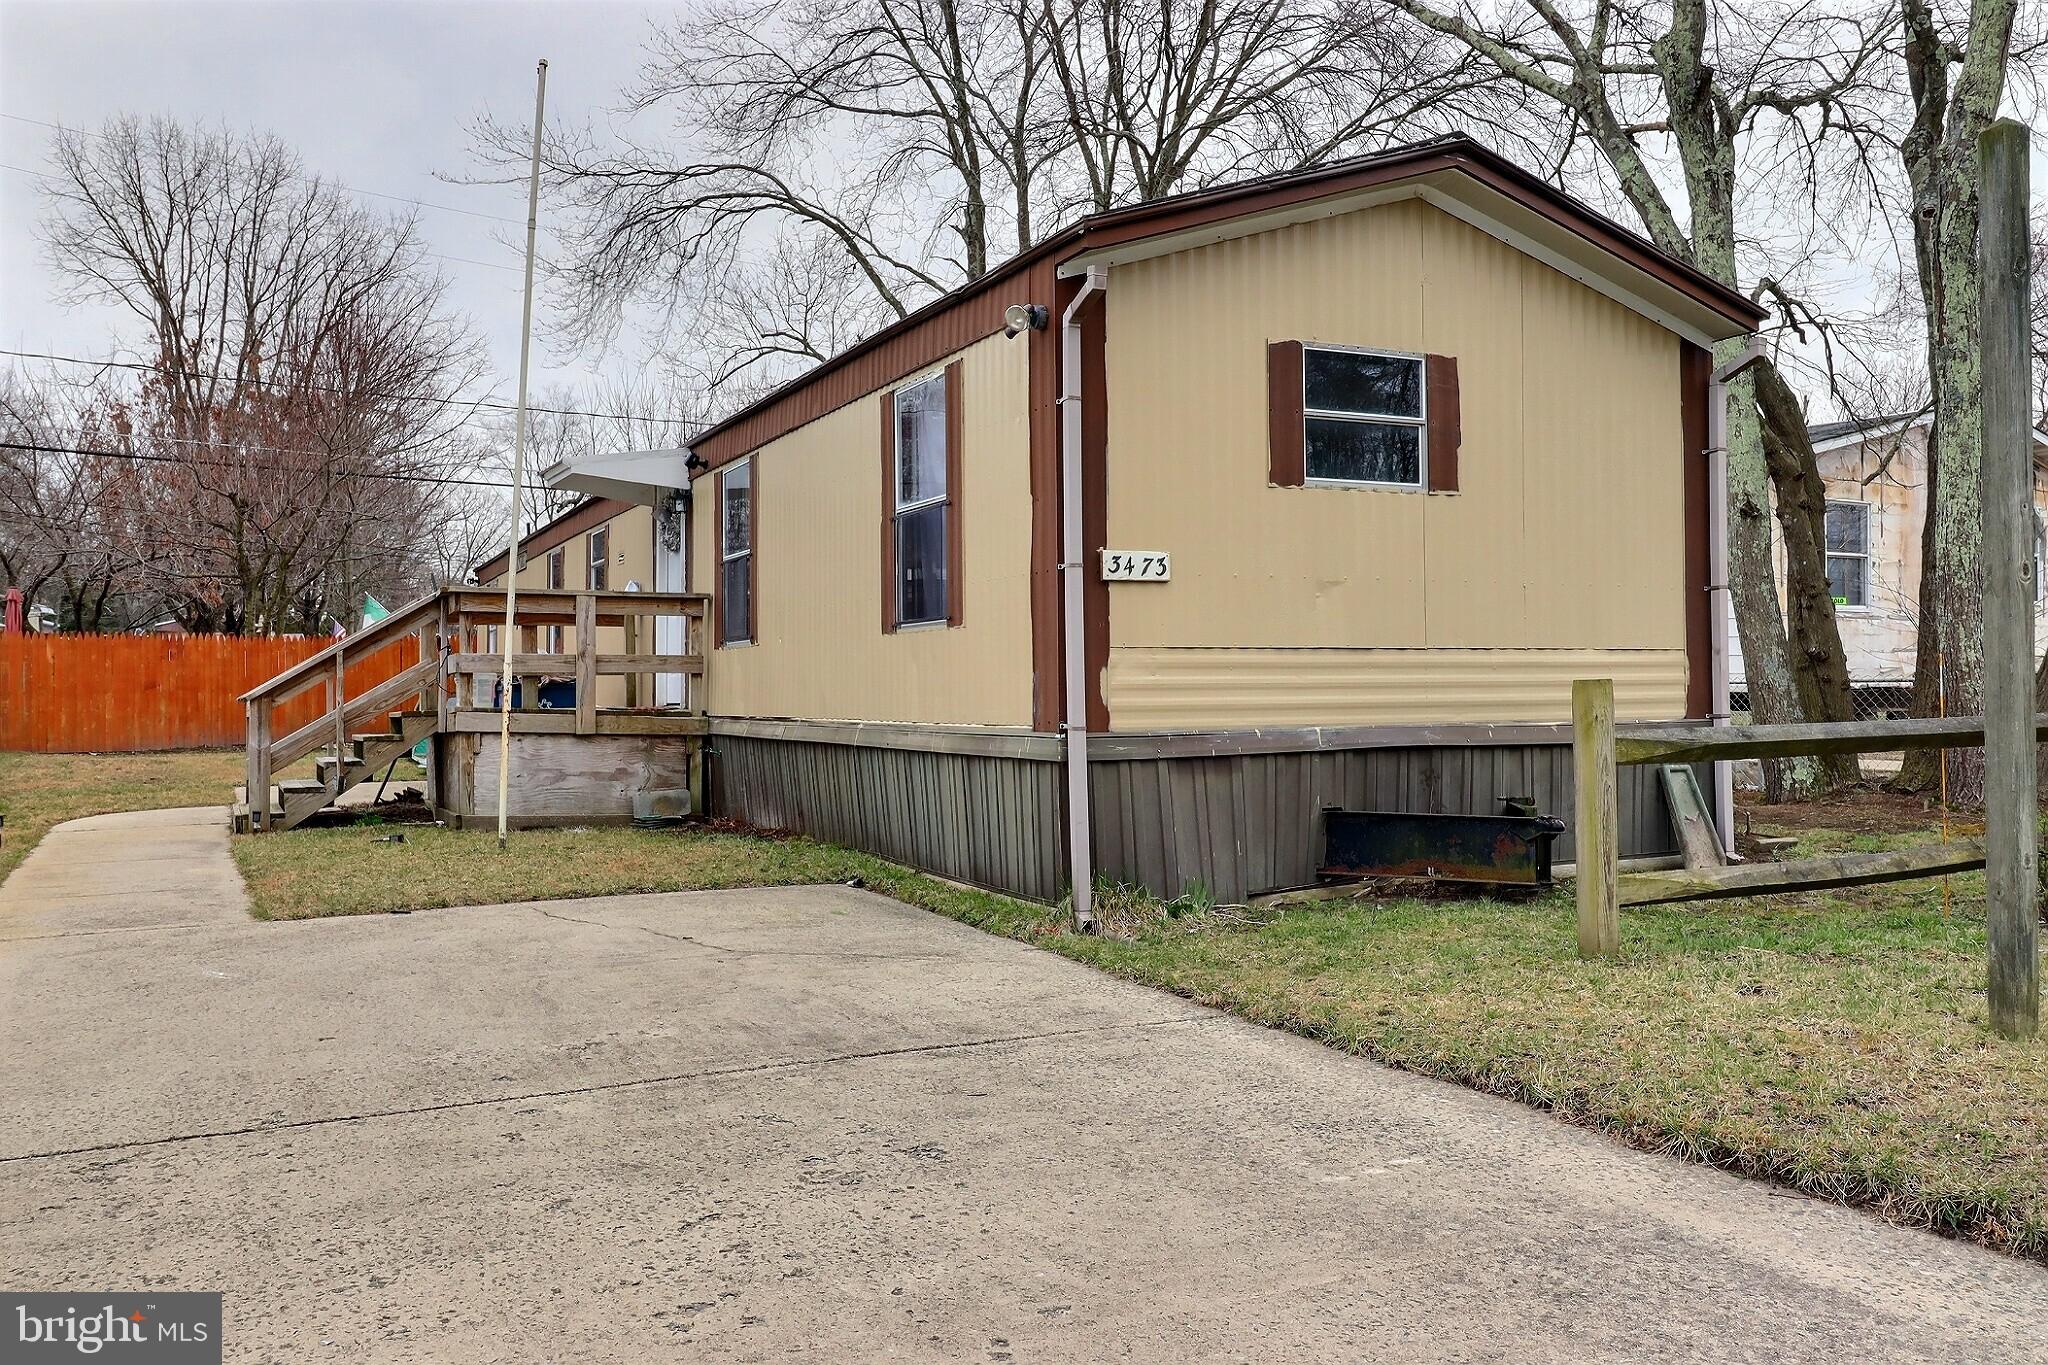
(956, 438)
(1695, 374)
(889, 591)
(1446, 426)
(1044, 389)
(754, 551)
(714, 590)
(1286, 429)
(1094, 321)
(955, 321)
(572, 523)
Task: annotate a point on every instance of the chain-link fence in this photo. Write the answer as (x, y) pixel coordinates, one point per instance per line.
(1870, 701)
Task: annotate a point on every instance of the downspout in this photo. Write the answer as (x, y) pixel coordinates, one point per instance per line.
(1718, 592)
(1073, 620)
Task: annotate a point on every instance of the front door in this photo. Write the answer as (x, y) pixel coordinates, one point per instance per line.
(670, 529)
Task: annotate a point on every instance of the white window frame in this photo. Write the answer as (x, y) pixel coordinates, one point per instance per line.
(1420, 423)
(726, 555)
(1827, 554)
(592, 559)
(901, 508)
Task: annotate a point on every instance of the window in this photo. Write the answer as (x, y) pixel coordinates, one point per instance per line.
(600, 558)
(557, 565)
(920, 497)
(1848, 549)
(736, 554)
(1363, 417)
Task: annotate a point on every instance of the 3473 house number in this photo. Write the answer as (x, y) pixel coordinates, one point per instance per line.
(1136, 566)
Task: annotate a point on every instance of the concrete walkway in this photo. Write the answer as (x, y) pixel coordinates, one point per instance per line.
(816, 1123)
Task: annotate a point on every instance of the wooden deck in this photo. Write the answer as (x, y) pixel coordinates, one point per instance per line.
(450, 695)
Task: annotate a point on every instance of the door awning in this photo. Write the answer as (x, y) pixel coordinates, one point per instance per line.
(643, 476)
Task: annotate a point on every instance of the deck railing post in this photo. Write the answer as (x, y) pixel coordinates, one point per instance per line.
(340, 708)
(256, 778)
(1595, 807)
(586, 663)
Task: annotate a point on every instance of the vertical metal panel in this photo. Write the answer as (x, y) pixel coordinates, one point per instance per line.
(1244, 824)
(987, 820)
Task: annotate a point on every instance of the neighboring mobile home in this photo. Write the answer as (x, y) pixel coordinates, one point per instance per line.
(1876, 477)
(1365, 466)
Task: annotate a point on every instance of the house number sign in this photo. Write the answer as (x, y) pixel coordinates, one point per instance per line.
(1136, 566)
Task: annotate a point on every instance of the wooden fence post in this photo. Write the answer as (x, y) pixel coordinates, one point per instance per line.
(2011, 815)
(1595, 828)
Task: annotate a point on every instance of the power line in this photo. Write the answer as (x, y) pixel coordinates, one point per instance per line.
(465, 260)
(374, 194)
(343, 393)
(146, 458)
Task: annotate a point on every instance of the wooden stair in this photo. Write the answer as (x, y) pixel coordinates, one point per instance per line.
(296, 800)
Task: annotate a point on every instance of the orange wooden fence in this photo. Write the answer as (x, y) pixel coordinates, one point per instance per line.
(68, 694)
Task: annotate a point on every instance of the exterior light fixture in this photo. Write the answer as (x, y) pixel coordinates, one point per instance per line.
(1025, 317)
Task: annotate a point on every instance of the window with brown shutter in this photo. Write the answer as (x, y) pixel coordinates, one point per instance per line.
(736, 526)
(921, 542)
(1353, 417)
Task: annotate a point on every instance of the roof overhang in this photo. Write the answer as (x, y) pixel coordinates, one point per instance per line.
(1511, 218)
(642, 476)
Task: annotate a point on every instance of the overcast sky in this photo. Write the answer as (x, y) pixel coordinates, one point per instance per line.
(375, 95)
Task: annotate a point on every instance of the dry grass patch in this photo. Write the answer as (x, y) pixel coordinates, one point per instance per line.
(41, 790)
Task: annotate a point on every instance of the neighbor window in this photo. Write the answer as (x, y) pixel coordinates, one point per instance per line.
(1363, 417)
(920, 502)
(736, 554)
(558, 566)
(1848, 547)
(600, 558)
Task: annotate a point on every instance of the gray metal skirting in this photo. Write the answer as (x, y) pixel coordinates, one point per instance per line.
(1238, 823)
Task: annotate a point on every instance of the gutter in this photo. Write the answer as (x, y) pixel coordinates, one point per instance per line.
(1718, 594)
(1073, 621)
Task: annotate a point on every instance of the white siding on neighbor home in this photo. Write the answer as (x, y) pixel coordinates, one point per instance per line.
(1880, 639)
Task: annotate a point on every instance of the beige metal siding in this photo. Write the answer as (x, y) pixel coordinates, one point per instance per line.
(1562, 554)
(822, 654)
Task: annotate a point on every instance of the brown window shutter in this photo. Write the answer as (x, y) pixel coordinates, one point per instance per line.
(888, 511)
(1441, 377)
(714, 613)
(754, 549)
(956, 427)
(1286, 435)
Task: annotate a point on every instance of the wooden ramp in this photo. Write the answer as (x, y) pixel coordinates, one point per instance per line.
(1805, 874)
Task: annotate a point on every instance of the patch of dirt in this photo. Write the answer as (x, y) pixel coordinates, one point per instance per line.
(1863, 810)
(400, 806)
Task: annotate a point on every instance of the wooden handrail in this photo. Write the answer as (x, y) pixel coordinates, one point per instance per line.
(317, 668)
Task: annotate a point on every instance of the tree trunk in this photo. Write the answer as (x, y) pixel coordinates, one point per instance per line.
(1753, 585)
(1820, 668)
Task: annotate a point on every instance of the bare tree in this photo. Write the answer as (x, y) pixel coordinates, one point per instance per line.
(1956, 72)
(64, 510)
(1764, 99)
(302, 394)
(846, 160)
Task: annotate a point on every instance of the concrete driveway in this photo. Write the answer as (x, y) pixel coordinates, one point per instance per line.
(816, 1123)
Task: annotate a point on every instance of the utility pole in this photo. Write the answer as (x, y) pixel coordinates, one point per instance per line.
(2011, 813)
(540, 99)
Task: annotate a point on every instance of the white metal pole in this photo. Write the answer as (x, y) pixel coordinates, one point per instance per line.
(1073, 633)
(540, 97)
(1718, 590)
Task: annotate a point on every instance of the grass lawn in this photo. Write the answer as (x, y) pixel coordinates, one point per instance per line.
(1835, 1042)
(41, 790)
